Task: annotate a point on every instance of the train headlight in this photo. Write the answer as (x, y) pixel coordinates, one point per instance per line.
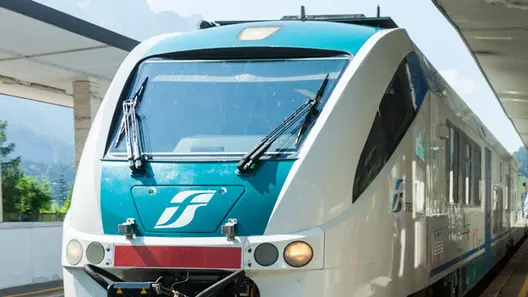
(74, 252)
(298, 254)
(266, 254)
(95, 253)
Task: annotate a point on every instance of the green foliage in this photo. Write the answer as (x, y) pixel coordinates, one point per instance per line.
(61, 176)
(10, 177)
(521, 156)
(10, 172)
(23, 196)
(34, 195)
(64, 208)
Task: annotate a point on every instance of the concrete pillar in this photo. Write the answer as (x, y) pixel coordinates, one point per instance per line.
(86, 101)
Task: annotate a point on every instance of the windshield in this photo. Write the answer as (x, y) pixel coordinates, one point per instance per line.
(224, 107)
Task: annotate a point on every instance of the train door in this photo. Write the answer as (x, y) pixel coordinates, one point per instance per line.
(487, 208)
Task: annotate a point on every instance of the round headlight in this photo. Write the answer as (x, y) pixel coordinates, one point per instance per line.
(298, 254)
(74, 252)
(266, 254)
(95, 253)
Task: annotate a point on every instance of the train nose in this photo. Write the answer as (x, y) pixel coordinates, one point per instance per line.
(184, 209)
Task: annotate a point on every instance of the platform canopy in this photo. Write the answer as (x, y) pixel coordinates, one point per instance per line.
(43, 50)
(496, 33)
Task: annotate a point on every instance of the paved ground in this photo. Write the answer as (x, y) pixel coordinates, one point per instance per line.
(512, 281)
(43, 293)
(57, 292)
(52, 289)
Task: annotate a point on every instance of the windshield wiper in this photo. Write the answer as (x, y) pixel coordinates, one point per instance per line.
(131, 127)
(248, 162)
(313, 110)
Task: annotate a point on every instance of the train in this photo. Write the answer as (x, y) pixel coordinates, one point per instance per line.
(312, 155)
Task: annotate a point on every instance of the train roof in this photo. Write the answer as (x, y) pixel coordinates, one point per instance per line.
(338, 33)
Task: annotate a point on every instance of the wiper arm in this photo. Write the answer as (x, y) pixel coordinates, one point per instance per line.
(138, 94)
(313, 110)
(130, 127)
(248, 162)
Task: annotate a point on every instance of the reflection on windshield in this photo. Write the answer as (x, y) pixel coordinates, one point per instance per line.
(225, 107)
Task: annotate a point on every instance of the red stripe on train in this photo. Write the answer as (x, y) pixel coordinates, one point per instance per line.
(178, 257)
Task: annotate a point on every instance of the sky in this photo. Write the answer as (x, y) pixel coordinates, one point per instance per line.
(426, 26)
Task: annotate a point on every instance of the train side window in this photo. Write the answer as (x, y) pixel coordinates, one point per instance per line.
(372, 157)
(508, 190)
(487, 176)
(501, 172)
(477, 173)
(467, 167)
(395, 114)
(468, 174)
(452, 171)
(463, 168)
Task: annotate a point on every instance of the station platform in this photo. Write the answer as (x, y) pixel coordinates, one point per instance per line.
(50, 289)
(512, 280)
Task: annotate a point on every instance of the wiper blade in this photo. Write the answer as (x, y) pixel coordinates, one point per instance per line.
(130, 127)
(138, 94)
(248, 162)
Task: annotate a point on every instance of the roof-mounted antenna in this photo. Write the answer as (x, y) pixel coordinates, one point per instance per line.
(303, 13)
(205, 24)
(378, 11)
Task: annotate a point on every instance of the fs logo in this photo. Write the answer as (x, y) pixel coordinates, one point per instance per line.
(185, 205)
(397, 199)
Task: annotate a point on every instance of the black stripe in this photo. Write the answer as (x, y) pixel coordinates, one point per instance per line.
(69, 23)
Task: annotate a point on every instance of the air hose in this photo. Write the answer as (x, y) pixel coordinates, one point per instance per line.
(224, 282)
(95, 273)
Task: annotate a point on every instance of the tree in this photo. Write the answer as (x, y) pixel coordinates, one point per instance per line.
(10, 171)
(34, 196)
(63, 190)
(521, 156)
(23, 196)
(64, 208)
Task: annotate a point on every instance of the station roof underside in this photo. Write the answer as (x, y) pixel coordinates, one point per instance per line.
(44, 50)
(496, 33)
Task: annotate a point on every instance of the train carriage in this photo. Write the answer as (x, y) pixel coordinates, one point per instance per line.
(308, 156)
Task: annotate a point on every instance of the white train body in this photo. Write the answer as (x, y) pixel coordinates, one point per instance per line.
(369, 188)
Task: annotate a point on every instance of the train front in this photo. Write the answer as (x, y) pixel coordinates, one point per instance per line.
(188, 158)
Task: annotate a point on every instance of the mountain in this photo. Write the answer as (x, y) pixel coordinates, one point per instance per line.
(40, 131)
(33, 145)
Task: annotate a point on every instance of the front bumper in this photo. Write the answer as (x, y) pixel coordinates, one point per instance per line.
(141, 259)
(191, 253)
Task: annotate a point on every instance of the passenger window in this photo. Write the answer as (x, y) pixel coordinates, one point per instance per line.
(463, 168)
(477, 159)
(452, 165)
(395, 114)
